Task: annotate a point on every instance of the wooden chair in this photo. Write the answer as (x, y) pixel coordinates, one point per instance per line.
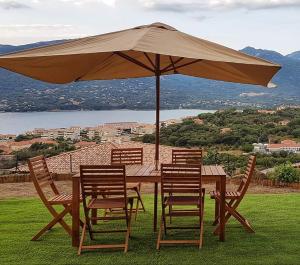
(186, 156)
(130, 156)
(42, 178)
(234, 198)
(181, 185)
(104, 187)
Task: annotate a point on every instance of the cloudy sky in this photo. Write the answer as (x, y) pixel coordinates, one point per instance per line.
(267, 24)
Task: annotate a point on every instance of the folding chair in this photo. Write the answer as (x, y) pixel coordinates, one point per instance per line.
(234, 198)
(104, 187)
(185, 156)
(181, 185)
(130, 156)
(42, 178)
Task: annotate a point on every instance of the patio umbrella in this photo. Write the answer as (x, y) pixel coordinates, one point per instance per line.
(150, 50)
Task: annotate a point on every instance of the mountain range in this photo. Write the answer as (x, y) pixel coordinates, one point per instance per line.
(20, 93)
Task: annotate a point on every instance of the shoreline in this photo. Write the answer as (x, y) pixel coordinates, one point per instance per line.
(83, 110)
(20, 122)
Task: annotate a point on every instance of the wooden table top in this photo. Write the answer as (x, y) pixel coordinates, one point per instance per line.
(149, 174)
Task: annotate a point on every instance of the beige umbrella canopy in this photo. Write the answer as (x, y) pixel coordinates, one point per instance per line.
(150, 50)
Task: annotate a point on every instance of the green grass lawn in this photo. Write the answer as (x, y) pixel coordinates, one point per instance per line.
(275, 218)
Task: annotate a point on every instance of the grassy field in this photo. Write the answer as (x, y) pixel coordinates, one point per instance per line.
(275, 218)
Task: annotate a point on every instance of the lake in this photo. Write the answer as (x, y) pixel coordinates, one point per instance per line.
(16, 123)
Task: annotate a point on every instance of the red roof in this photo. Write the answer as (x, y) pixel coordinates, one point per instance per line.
(285, 144)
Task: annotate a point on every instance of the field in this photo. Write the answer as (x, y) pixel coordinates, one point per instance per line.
(275, 218)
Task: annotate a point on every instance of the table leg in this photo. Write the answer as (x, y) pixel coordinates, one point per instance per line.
(155, 206)
(75, 211)
(217, 205)
(94, 212)
(222, 208)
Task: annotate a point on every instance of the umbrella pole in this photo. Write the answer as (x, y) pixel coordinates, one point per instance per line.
(157, 75)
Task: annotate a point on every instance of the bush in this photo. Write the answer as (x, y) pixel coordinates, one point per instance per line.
(247, 148)
(285, 173)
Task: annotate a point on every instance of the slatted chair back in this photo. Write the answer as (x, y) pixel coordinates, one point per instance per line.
(243, 187)
(103, 180)
(186, 156)
(181, 180)
(127, 156)
(41, 177)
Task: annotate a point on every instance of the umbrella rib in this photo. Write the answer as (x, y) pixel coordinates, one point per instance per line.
(185, 64)
(173, 65)
(149, 59)
(166, 69)
(135, 61)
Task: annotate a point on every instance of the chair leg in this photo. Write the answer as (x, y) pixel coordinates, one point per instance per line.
(170, 209)
(89, 226)
(94, 215)
(243, 221)
(217, 209)
(201, 226)
(82, 239)
(136, 209)
(164, 219)
(159, 234)
(57, 219)
(81, 223)
(128, 228)
(140, 199)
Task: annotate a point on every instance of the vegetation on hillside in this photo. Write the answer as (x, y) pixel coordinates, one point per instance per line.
(285, 173)
(230, 130)
(44, 149)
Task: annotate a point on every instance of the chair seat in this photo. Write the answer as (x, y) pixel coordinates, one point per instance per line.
(228, 194)
(132, 186)
(106, 203)
(62, 199)
(183, 200)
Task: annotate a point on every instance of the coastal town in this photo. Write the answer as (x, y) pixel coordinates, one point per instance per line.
(81, 136)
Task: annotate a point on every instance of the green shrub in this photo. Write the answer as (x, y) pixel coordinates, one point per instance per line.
(247, 148)
(285, 173)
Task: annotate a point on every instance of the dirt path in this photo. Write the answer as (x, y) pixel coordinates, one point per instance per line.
(26, 189)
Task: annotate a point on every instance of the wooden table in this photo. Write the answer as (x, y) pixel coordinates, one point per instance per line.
(148, 174)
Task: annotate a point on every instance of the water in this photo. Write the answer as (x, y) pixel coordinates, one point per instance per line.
(16, 123)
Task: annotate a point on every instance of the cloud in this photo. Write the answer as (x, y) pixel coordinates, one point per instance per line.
(83, 2)
(10, 4)
(41, 31)
(215, 5)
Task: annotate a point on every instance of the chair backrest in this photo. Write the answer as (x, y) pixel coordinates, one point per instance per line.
(41, 176)
(181, 179)
(247, 176)
(103, 180)
(127, 156)
(187, 156)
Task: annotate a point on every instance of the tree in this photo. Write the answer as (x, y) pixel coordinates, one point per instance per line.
(286, 173)
(247, 148)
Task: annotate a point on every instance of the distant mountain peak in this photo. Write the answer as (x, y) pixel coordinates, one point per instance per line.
(273, 55)
(294, 55)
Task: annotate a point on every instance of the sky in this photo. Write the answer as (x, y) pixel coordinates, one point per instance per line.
(265, 24)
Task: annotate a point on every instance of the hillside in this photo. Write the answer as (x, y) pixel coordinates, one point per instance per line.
(19, 93)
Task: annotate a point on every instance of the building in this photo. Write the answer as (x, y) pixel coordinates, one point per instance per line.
(264, 111)
(286, 145)
(260, 148)
(72, 133)
(7, 137)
